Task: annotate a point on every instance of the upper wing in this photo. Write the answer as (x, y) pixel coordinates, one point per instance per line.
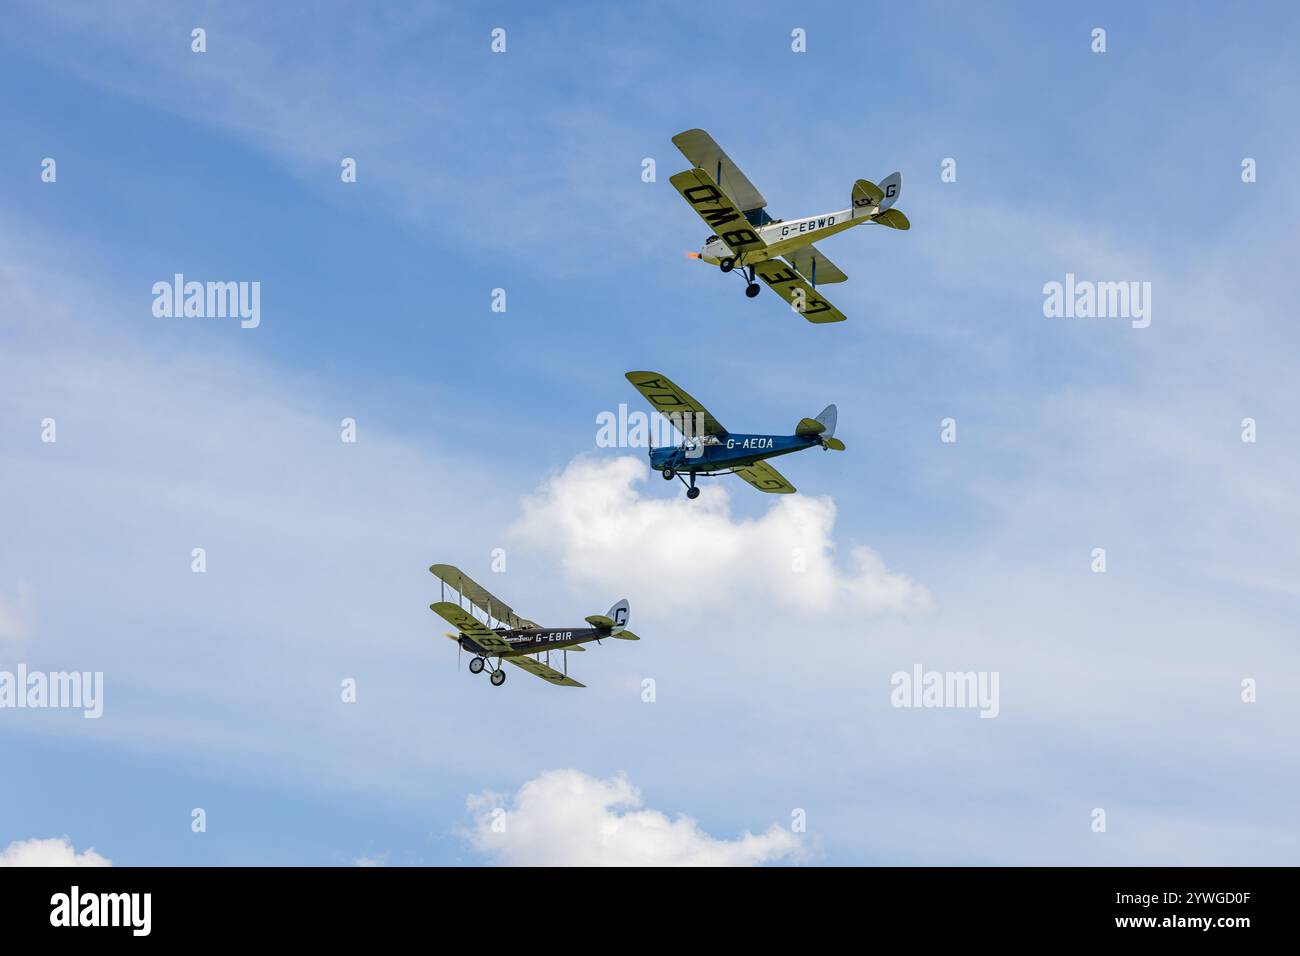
(766, 478)
(811, 263)
(479, 596)
(674, 404)
(802, 297)
(699, 147)
(471, 627)
(698, 188)
(534, 666)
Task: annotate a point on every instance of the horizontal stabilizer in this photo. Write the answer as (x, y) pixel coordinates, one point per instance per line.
(834, 444)
(600, 621)
(626, 636)
(809, 427)
(866, 196)
(894, 219)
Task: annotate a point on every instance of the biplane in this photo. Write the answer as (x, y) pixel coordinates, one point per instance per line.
(498, 632)
(778, 251)
(708, 449)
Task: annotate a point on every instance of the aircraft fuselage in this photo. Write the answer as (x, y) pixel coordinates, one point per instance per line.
(530, 640)
(786, 236)
(723, 453)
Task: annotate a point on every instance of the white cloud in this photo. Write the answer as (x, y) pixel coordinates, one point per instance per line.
(369, 861)
(569, 818)
(56, 851)
(606, 531)
(16, 612)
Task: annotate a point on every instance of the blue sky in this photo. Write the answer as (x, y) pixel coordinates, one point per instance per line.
(477, 431)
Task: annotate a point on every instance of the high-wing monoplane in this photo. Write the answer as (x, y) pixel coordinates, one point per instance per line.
(778, 251)
(496, 631)
(709, 449)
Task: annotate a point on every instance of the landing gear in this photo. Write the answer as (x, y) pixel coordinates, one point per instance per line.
(747, 273)
(498, 677)
(669, 474)
(476, 665)
(691, 491)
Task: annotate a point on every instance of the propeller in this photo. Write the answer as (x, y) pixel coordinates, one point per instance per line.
(692, 255)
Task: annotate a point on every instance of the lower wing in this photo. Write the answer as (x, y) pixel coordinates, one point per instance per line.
(766, 478)
(803, 298)
(534, 666)
(812, 262)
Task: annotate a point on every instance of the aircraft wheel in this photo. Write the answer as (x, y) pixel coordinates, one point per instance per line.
(498, 678)
(476, 665)
(669, 474)
(692, 492)
(751, 290)
(726, 265)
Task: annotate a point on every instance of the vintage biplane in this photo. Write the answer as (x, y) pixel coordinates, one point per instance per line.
(709, 449)
(746, 238)
(496, 631)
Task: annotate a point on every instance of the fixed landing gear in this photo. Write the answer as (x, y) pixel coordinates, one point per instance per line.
(747, 273)
(752, 288)
(691, 491)
(497, 675)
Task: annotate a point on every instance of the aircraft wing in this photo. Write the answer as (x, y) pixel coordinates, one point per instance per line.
(479, 596)
(471, 627)
(674, 403)
(715, 208)
(699, 147)
(534, 666)
(766, 478)
(814, 266)
(788, 284)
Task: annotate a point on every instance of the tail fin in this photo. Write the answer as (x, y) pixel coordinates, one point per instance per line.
(823, 424)
(822, 427)
(827, 418)
(614, 621)
(891, 186)
(871, 200)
